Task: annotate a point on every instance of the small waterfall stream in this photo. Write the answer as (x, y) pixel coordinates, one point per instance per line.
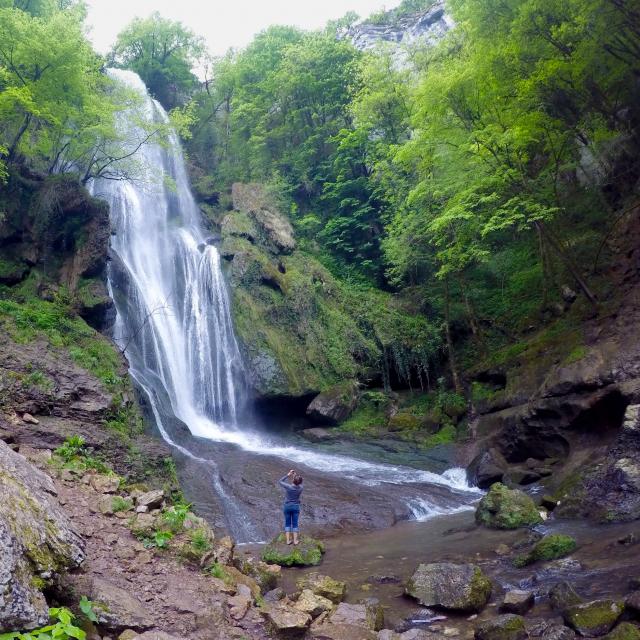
(174, 322)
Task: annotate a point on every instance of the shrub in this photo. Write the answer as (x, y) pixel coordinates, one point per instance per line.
(61, 628)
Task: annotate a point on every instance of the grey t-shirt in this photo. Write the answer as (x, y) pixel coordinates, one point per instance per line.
(293, 491)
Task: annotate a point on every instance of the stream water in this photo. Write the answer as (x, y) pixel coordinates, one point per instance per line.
(174, 323)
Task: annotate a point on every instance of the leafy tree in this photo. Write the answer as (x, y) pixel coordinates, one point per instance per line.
(163, 53)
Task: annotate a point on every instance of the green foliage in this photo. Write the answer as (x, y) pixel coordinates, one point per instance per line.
(163, 53)
(86, 606)
(56, 321)
(200, 541)
(62, 628)
(159, 540)
(72, 447)
(118, 504)
(216, 570)
(174, 517)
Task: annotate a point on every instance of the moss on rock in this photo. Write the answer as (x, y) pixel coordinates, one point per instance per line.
(594, 618)
(504, 508)
(624, 631)
(552, 546)
(307, 553)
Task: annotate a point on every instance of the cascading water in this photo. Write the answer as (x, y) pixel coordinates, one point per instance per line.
(174, 323)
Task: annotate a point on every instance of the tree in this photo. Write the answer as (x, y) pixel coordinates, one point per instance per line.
(163, 53)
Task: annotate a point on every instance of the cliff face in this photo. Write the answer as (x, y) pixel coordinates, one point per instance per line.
(54, 238)
(423, 27)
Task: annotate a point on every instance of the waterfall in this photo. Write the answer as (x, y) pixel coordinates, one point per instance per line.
(173, 309)
(174, 324)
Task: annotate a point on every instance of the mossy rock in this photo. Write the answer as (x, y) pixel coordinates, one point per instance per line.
(624, 631)
(504, 508)
(306, 554)
(594, 618)
(325, 586)
(460, 587)
(553, 546)
(403, 422)
(505, 627)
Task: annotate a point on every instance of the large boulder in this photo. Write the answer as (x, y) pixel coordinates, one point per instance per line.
(335, 405)
(624, 631)
(37, 541)
(312, 603)
(486, 468)
(461, 587)
(504, 627)
(284, 620)
(517, 601)
(369, 615)
(307, 553)
(504, 508)
(115, 608)
(325, 586)
(595, 618)
(562, 595)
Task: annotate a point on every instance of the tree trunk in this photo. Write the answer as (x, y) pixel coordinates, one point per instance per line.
(447, 328)
(16, 141)
(557, 247)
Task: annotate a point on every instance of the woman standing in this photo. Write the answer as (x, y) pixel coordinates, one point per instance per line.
(291, 508)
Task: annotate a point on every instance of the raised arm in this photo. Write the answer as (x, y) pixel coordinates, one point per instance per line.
(282, 483)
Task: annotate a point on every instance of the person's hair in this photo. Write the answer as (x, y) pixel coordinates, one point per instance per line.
(297, 479)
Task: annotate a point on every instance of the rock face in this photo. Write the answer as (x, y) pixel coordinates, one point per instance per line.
(307, 553)
(504, 508)
(37, 541)
(594, 618)
(486, 468)
(335, 405)
(285, 620)
(425, 26)
(451, 586)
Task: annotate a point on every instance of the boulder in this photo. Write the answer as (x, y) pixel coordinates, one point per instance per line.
(504, 627)
(486, 468)
(595, 618)
(284, 620)
(274, 595)
(151, 499)
(324, 586)
(144, 524)
(517, 601)
(237, 578)
(266, 575)
(312, 603)
(549, 629)
(624, 631)
(369, 615)
(335, 405)
(562, 595)
(223, 550)
(154, 635)
(450, 586)
(104, 483)
(37, 541)
(632, 602)
(307, 553)
(115, 608)
(550, 547)
(504, 508)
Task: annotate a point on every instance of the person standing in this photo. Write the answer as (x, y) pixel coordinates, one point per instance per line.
(291, 507)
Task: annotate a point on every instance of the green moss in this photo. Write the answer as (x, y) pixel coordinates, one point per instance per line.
(447, 435)
(480, 589)
(56, 322)
(624, 631)
(307, 553)
(576, 354)
(403, 422)
(504, 508)
(594, 618)
(552, 546)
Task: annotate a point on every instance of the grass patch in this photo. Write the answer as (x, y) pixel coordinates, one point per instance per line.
(55, 321)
